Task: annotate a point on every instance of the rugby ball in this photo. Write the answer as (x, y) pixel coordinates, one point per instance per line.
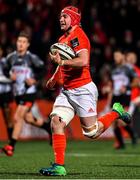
(65, 51)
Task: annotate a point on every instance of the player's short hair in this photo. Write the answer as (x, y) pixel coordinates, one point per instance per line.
(24, 34)
(119, 49)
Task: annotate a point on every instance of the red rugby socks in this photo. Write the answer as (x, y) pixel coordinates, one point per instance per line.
(59, 146)
(108, 119)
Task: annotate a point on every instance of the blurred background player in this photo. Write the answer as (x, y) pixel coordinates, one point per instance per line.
(123, 78)
(24, 69)
(35, 117)
(79, 94)
(6, 97)
(131, 58)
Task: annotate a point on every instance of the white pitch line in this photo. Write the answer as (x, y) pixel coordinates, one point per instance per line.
(99, 155)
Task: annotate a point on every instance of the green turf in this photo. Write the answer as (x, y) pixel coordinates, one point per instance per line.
(84, 160)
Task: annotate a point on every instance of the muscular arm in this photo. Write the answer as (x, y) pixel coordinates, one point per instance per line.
(56, 73)
(52, 81)
(80, 61)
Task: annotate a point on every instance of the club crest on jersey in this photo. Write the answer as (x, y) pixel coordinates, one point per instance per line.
(19, 59)
(74, 42)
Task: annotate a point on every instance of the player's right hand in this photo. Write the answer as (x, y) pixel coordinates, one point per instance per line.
(51, 83)
(56, 58)
(13, 76)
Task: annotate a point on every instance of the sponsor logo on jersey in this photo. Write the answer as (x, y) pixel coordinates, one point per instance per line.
(74, 42)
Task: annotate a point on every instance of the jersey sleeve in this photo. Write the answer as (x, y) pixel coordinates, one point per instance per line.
(36, 61)
(38, 67)
(80, 42)
(131, 72)
(7, 65)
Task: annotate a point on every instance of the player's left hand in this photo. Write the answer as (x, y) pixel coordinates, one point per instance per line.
(30, 81)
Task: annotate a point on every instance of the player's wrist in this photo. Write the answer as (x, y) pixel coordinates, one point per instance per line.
(62, 62)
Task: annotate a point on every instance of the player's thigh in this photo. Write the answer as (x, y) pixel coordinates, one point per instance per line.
(36, 111)
(84, 100)
(21, 111)
(88, 121)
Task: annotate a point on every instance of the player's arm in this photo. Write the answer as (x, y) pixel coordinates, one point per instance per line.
(109, 97)
(7, 68)
(52, 81)
(109, 91)
(38, 69)
(81, 60)
(38, 66)
(135, 80)
(36, 61)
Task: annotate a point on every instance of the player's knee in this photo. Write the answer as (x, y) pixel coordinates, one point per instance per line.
(91, 131)
(56, 123)
(18, 117)
(61, 115)
(28, 118)
(55, 120)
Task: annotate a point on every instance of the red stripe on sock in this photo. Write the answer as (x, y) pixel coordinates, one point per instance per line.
(108, 119)
(59, 146)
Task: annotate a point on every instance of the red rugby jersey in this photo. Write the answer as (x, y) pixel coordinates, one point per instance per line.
(75, 77)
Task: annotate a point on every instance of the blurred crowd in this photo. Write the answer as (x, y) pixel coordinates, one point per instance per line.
(109, 24)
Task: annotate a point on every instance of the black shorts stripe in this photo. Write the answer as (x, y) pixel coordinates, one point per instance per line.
(22, 99)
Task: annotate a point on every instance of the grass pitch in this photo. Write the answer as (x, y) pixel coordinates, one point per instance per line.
(84, 160)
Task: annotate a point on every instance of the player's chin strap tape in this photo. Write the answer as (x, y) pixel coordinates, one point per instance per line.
(91, 130)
